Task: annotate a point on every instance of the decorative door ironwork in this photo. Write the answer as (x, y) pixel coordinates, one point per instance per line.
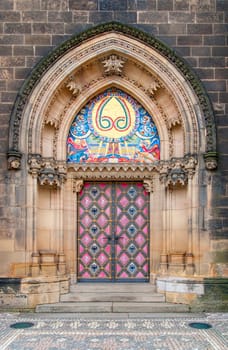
(113, 226)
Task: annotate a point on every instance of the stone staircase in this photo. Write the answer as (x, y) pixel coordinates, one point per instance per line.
(112, 298)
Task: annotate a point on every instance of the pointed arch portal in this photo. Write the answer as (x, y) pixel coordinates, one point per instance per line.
(109, 107)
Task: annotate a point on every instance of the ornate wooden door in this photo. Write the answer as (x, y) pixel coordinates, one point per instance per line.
(113, 226)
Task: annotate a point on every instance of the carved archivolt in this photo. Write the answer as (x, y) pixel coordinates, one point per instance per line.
(144, 67)
(88, 83)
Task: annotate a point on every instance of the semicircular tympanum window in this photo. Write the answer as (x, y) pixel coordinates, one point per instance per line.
(113, 128)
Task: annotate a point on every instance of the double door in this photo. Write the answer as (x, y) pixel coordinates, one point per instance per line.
(113, 232)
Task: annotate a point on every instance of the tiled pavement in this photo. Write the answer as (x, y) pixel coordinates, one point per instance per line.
(114, 331)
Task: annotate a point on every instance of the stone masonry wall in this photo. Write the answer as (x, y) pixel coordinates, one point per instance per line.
(29, 29)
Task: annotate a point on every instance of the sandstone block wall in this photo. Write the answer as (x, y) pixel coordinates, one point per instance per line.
(195, 29)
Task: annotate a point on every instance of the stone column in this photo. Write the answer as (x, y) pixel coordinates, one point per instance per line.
(32, 193)
(164, 191)
(189, 258)
(77, 187)
(148, 185)
(61, 255)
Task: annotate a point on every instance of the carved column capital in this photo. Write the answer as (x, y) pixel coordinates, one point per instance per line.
(62, 171)
(48, 175)
(190, 165)
(52, 173)
(47, 170)
(177, 170)
(35, 162)
(77, 185)
(163, 172)
(177, 174)
(148, 185)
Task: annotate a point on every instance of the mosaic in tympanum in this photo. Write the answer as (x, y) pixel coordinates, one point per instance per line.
(113, 128)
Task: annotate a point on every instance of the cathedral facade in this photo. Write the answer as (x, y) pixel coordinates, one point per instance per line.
(114, 148)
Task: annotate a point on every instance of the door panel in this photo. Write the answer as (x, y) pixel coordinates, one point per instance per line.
(131, 249)
(95, 231)
(113, 225)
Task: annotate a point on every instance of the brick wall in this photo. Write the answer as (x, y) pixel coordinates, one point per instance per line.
(196, 29)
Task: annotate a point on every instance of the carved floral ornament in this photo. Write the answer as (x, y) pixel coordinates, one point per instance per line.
(154, 86)
(113, 65)
(73, 86)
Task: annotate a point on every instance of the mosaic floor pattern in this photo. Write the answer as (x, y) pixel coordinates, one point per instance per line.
(143, 332)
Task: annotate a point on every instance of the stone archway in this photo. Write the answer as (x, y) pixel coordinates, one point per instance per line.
(113, 56)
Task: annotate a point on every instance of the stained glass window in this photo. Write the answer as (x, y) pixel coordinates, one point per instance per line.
(113, 128)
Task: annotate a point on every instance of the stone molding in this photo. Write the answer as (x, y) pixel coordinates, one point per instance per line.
(174, 172)
(54, 173)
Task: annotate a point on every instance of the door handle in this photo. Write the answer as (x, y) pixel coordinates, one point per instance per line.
(117, 238)
(108, 238)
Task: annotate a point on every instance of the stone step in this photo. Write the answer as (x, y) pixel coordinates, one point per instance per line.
(109, 307)
(113, 287)
(112, 296)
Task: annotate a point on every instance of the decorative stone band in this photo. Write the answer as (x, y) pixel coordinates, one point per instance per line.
(170, 171)
(47, 170)
(174, 172)
(78, 185)
(53, 173)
